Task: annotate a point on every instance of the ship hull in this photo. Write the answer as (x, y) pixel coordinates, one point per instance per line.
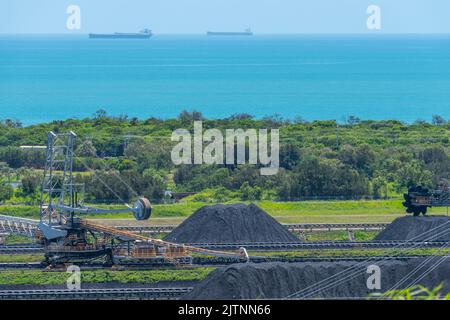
(119, 36)
(210, 33)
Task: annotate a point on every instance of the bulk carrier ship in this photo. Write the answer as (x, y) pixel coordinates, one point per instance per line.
(144, 34)
(247, 32)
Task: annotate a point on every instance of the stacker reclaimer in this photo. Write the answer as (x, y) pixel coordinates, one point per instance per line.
(68, 238)
(419, 199)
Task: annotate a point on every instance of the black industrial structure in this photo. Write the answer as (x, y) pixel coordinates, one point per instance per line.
(419, 199)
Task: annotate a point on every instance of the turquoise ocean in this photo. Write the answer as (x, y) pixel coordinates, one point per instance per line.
(49, 77)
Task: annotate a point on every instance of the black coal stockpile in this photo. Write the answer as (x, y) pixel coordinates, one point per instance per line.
(428, 228)
(280, 280)
(230, 223)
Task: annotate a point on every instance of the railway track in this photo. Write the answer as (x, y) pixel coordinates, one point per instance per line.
(316, 245)
(20, 249)
(336, 226)
(271, 246)
(291, 227)
(96, 294)
(261, 259)
(28, 226)
(146, 264)
(22, 265)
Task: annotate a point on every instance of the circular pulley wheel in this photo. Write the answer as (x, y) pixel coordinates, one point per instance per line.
(142, 209)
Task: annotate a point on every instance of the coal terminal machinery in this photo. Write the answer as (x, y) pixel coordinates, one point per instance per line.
(69, 238)
(419, 199)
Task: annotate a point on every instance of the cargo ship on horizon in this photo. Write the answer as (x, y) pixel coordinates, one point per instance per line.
(144, 34)
(247, 32)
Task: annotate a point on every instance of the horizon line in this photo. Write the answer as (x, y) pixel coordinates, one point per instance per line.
(369, 33)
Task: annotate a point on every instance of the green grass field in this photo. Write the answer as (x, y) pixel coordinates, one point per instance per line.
(6, 258)
(284, 212)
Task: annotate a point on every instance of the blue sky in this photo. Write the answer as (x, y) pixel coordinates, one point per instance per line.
(197, 16)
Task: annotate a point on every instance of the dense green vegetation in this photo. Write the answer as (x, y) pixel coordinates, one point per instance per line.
(39, 277)
(319, 159)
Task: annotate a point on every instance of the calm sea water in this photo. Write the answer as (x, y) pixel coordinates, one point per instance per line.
(315, 77)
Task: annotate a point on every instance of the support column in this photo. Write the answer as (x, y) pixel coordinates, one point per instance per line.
(2, 238)
(351, 235)
(302, 235)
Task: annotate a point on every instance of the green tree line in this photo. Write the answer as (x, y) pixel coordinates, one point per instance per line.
(318, 159)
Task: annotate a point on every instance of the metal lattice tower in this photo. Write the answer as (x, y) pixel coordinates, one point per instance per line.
(57, 186)
(59, 203)
(59, 195)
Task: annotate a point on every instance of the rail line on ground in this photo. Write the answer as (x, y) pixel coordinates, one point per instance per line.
(148, 264)
(197, 261)
(288, 246)
(108, 294)
(28, 227)
(21, 249)
(272, 246)
(291, 227)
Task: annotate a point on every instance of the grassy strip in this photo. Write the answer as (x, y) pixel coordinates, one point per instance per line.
(15, 239)
(286, 212)
(339, 235)
(417, 292)
(20, 211)
(38, 277)
(6, 258)
(279, 209)
(343, 253)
